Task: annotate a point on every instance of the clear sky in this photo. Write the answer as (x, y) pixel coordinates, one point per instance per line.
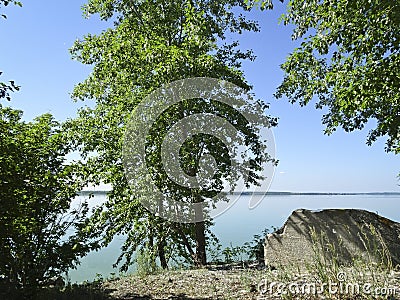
(34, 52)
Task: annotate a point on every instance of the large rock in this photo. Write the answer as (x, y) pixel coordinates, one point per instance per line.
(340, 234)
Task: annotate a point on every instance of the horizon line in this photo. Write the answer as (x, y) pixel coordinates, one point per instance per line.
(276, 193)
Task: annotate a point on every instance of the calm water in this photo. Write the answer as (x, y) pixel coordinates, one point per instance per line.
(239, 224)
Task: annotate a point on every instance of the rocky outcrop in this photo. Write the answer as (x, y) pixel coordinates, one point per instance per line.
(343, 235)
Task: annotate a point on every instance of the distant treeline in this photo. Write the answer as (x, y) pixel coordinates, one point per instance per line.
(87, 193)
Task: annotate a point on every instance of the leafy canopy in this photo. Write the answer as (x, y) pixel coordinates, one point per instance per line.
(39, 229)
(151, 43)
(37, 234)
(349, 61)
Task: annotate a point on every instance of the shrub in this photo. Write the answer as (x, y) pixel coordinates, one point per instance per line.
(37, 232)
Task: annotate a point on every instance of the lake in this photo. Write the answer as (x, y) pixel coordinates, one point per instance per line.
(238, 225)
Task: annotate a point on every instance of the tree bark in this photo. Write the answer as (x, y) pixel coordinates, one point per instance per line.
(200, 244)
(200, 229)
(161, 254)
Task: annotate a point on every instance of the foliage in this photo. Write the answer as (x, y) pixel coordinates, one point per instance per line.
(6, 3)
(260, 4)
(145, 262)
(252, 250)
(255, 248)
(234, 253)
(349, 59)
(152, 43)
(36, 188)
(6, 88)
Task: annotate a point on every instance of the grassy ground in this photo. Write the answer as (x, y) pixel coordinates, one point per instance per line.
(368, 276)
(234, 283)
(188, 284)
(207, 283)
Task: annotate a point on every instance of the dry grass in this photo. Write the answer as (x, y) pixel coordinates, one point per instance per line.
(215, 283)
(189, 284)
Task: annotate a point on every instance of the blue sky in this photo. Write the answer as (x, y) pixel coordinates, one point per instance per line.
(34, 53)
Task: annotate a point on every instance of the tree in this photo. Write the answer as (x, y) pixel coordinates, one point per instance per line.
(41, 235)
(349, 61)
(152, 43)
(38, 234)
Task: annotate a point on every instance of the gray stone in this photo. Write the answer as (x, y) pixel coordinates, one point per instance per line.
(333, 234)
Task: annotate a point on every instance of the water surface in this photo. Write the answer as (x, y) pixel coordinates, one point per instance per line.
(239, 224)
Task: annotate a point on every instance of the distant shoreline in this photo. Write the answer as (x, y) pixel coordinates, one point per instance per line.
(87, 193)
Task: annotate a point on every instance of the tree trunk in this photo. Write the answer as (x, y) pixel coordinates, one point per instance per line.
(200, 244)
(161, 254)
(200, 229)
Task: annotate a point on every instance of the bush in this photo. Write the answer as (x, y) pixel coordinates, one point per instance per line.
(37, 233)
(255, 248)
